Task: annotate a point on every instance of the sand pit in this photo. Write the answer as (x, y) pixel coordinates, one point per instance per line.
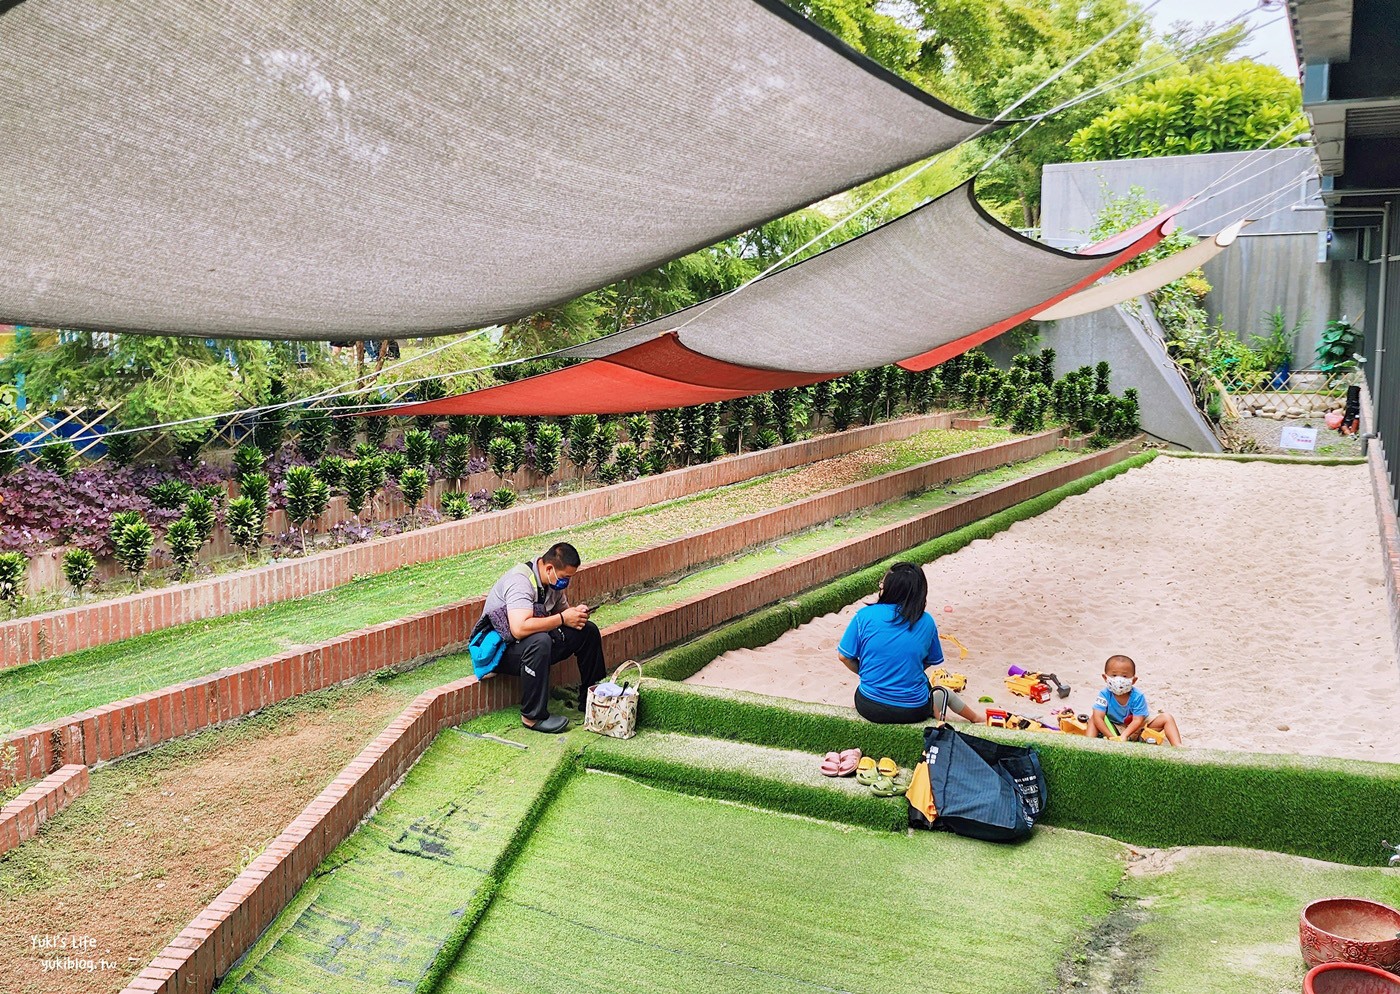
(1251, 595)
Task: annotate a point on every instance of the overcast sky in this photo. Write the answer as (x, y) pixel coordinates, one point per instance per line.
(1272, 42)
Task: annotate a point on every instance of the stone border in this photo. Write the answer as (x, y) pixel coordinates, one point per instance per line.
(131, 725)
(56, 633)
(206, 949)
(20, 818)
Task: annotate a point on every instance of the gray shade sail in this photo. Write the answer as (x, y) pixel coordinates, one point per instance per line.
(928, 278)
(341, 169)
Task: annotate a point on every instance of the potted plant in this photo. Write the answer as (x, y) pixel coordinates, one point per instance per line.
(1336, 351)
(1276, 350)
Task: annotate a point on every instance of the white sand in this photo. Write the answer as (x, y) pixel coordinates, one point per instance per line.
(1250, 594)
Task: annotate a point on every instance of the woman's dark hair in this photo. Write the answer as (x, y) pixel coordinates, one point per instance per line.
(906, 588)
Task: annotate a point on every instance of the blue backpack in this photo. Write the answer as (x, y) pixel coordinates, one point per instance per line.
(982, 789)
(486, 647)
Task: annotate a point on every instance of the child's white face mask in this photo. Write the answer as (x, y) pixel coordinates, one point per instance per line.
(1120, 684)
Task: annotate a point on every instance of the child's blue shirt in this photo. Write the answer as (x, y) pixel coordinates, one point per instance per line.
(1118, 713)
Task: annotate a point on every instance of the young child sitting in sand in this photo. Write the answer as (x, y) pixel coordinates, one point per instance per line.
(1126, 707)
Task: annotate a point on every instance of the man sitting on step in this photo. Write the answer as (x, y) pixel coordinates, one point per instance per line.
(545, 630)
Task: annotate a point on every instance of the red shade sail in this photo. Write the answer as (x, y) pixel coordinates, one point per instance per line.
(654, 375)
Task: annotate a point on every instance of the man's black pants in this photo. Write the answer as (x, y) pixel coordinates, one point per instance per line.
(531, 658)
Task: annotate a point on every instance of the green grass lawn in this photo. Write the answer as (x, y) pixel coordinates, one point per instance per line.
(626, 888)
(66, 684)
(375, 913)
(1225, 921)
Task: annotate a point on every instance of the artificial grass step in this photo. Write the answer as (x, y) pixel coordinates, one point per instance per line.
(378, 912)
(1332, 809)
(625, 888)
(779, 779)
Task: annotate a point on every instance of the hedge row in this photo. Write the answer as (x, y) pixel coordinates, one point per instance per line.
(1331, 809)
(763, 627)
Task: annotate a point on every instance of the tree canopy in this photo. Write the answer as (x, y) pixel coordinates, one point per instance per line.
(1228, 107)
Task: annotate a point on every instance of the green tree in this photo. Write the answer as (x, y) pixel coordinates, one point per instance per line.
(257, 488)
(313, 433)
(549, 442)
(360, 482)
(133, 547)
(988, 54)
(306, 499)
(182, 537)
(581, 430)
(503, 456)
(200, 511)
(456, 455)
(417, 447)
(60, 457)
(332, 470)
(247, 459)
(160, 379)
(413, 484)
(245, 525)
(1236, 106)
(119, 522)
(78, 567)
(13, 569)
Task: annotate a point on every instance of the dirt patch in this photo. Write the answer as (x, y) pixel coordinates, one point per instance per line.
(109, 883)
(1112, 959)
(1155, 862)
(1267, 433)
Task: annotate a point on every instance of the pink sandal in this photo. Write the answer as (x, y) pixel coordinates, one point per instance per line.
(831, 765)
(849, 759)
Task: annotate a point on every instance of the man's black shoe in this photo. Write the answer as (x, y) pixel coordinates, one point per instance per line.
(552, 725)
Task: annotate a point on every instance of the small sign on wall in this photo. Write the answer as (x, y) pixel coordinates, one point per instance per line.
(1298, 438)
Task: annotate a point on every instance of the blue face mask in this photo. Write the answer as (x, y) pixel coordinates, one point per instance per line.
(560, 583)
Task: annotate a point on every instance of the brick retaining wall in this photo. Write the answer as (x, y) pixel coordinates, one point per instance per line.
(136, 723)
(208, 947)
(20, 818)
(54, 633)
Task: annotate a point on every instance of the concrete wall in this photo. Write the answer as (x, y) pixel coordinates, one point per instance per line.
(1273, 264)
(1261, 272)
(1072, 193)
(1132, 346)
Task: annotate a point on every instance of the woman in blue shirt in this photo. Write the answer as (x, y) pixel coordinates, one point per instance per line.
(889, 644)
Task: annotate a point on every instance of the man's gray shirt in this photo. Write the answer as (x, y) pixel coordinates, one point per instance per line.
(520, 589)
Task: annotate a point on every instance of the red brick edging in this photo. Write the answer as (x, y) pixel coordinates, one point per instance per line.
(207, 948)
(20, 818)
(54, 633)
(133, 724)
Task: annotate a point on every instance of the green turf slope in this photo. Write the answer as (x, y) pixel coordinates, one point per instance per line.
(380, 907)
(1225, 921)
(626, 888)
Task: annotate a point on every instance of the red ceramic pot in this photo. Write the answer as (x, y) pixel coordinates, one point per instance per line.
(1350, 930)
(1349, 978)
